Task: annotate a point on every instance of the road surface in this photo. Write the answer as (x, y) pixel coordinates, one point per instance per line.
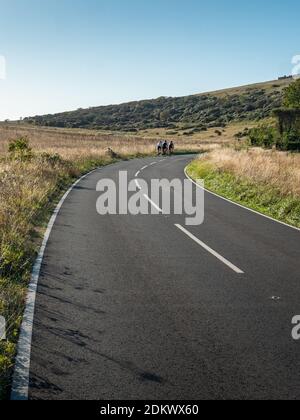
(133, 307)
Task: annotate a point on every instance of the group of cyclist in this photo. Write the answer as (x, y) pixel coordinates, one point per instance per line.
(165, 148)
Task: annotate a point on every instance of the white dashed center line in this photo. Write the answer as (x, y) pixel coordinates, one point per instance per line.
(145, 195)
(210, 250)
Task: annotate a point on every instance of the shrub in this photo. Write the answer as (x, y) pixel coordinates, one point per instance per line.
(19, 149)
(289, 141)
(292, 95)
(263, 136)
(52, 160)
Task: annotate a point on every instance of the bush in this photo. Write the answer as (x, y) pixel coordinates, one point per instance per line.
(292, 95)
(289, 141)
(264, 136)
(49, 159)
(268, 137)
(19, 149)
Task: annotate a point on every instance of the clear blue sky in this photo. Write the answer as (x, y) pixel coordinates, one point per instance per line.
(66, 54)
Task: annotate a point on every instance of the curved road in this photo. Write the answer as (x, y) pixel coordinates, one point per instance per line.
(131, 307)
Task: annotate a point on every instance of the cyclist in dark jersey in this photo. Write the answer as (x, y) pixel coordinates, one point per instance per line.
(165, 147)
(171, 147)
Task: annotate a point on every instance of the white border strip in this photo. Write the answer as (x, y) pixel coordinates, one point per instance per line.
(20, 385)
(240, 205)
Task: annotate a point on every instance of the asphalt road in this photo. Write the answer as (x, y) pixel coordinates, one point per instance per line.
(131, 307)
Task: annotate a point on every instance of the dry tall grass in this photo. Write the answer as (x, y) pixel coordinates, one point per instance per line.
(279, 169)
(71, 143)
(26, 189)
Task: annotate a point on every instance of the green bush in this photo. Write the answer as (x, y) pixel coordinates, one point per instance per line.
(292, 95)
(264, 136)
(19, 149)
(289, 141)
(268, 137)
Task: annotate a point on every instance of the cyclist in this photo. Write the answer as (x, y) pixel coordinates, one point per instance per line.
(171, 147)
(165, 147)
(159, 147)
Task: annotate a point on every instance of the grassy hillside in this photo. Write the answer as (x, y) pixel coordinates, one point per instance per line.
(189, 115)
(267, 181)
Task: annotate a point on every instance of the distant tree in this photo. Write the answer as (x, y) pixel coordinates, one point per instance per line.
(292, 95)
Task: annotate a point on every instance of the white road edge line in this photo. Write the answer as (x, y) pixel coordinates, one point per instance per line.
(210, 250)
(240, 205)
(137, 174)
(144, 167)
(20, 385)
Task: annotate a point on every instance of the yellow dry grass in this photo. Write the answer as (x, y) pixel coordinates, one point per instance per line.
(279, 169)
(71, 144)
(209, 137)
(277, 85)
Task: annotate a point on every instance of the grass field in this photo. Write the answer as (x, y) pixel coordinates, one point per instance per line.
(71, 143)
(265, 180)
(270, 86)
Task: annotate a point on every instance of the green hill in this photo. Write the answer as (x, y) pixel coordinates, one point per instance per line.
(196, 112)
